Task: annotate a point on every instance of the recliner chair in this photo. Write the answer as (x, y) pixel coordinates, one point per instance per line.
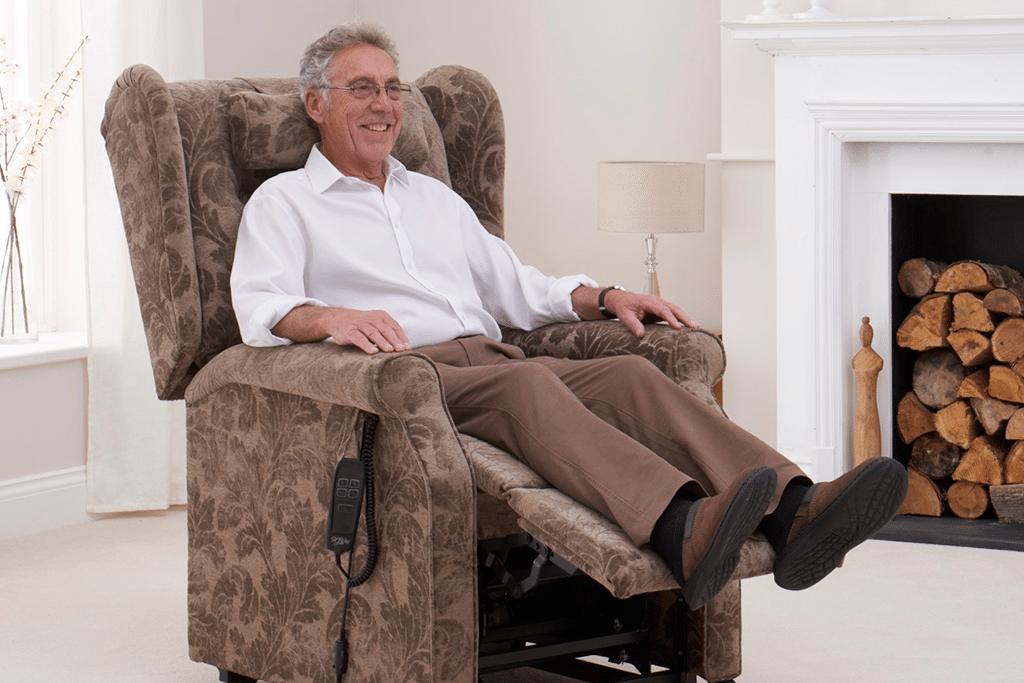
(266, 427)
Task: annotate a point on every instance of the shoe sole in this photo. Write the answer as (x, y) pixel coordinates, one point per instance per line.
(867, 503)
(742, 516)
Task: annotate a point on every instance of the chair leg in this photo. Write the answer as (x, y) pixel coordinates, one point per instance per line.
(231, 677)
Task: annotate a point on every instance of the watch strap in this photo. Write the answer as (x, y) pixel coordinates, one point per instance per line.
(600, 300)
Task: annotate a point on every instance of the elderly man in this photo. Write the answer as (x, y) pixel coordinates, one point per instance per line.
(357, 250)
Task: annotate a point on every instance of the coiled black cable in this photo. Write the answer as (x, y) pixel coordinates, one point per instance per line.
(370, 422)
(369, 435)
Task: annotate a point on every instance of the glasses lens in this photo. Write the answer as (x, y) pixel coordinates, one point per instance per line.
(363, 90)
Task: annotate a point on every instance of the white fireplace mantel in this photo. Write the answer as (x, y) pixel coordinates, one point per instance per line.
(865, 108)
(902, 35)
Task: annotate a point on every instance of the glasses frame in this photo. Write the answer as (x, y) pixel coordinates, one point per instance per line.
(403, 88)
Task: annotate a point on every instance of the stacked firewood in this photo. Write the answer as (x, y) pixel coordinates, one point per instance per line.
(964, 417)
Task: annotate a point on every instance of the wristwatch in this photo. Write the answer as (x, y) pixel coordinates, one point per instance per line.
(600, 300)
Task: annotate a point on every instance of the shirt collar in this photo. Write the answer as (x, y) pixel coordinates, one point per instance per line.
(322, 173)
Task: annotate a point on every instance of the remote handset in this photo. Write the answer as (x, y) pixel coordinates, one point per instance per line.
(346, 497)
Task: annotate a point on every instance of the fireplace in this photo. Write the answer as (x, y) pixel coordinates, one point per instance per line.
(948, 229)
(868, 111)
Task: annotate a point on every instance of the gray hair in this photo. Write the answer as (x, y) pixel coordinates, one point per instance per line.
(317, 58)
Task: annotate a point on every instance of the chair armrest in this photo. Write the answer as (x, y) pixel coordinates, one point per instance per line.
(694, 359)
(266, 427)
(390, 385)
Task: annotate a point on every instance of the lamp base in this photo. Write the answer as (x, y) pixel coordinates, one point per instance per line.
(651, 282)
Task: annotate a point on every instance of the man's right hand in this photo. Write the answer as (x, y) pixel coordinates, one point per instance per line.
(371, 331)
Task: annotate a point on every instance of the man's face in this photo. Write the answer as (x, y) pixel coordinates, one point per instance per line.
(357, 135)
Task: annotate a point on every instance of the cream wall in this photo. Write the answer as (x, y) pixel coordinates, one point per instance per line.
(748, 220)
(580, 81)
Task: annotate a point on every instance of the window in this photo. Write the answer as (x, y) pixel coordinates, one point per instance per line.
(40, 37)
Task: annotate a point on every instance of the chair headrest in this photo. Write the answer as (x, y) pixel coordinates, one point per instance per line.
(273, 132)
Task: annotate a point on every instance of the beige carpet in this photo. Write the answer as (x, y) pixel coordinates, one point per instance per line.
(104, 602)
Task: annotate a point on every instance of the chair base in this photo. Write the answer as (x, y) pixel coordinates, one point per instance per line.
(538, 611)
(231, 677)
(582, 671)
(539, 615)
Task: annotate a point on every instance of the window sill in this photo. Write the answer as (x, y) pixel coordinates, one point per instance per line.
(52, 347)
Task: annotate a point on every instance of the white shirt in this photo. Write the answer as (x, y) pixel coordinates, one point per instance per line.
(417, 251)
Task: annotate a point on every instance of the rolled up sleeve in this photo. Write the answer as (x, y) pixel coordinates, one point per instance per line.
(267, 278)
(517, 295)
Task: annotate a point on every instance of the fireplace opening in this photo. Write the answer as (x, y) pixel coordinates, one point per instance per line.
(948, 229)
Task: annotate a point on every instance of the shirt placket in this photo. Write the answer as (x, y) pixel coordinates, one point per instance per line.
(394, 213)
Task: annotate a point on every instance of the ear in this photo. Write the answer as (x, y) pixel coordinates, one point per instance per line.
(315, 105)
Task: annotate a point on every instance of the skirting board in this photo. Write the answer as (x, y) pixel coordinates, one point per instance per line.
(42, 502)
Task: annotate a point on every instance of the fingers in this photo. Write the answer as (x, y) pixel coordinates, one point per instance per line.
(361, 341)
(680, 318)
(637, 309)
(628, 317)
(371, 331)
(689, 322)
(386, 338)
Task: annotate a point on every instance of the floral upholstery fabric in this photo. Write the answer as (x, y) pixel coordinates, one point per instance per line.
(694, 359)
(263, 591)
(266, 426)
(469, 115)
(272, 132)
(184, 244)
(145, 149)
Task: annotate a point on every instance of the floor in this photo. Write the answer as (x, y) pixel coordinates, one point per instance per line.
(104, 602)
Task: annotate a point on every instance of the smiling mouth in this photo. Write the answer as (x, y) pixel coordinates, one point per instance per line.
(378, 127)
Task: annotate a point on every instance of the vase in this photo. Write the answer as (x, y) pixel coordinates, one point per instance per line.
(771, 12)
(819, 10)
(17, 319)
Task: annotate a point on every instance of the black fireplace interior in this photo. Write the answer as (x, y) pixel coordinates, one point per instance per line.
(950, 228)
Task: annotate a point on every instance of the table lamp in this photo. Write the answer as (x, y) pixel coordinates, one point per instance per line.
(650, 197)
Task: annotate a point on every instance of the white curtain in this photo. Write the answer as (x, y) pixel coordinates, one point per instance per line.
(136, 457)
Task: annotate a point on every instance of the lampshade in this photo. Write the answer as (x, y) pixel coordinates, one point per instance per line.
(650, 196)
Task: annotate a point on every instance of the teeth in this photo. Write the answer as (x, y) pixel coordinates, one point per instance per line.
(378, 127)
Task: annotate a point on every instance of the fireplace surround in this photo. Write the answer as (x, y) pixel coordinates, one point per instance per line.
(866, 109)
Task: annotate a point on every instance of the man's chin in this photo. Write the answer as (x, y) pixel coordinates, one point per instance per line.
(379, 152)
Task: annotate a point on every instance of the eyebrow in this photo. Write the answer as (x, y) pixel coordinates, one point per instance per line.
(367, 79)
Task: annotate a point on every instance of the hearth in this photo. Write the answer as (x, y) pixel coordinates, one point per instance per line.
(952, 531)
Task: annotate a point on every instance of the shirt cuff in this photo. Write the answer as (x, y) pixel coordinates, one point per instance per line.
(560, 295)
(267, 315)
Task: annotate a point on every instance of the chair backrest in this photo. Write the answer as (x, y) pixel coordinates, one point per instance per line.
(187, 155)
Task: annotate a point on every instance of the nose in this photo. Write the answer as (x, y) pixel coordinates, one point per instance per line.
(380, 100)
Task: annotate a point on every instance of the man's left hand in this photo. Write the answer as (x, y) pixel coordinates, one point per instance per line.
(632, 309)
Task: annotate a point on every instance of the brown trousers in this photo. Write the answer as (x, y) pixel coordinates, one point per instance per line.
(614, 433)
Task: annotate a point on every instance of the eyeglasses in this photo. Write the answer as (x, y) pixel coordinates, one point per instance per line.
(366, 90)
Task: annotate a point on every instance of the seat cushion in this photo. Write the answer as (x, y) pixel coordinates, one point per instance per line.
(272, 132)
